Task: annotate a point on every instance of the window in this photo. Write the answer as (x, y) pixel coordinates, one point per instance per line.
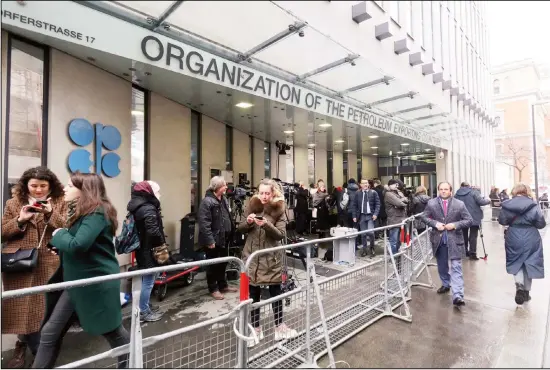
(138, 135)
(329, 170)
(496, 87)
(420, 33)
(27, 109)
(393, 9)
(195, 160)
(346, 166)
(310, 166)
(267, 160)
(228, 148)
(409, 18)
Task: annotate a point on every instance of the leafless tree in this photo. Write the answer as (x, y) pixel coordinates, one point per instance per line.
(516, 156)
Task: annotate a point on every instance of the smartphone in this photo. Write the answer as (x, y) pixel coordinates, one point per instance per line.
(258, 217)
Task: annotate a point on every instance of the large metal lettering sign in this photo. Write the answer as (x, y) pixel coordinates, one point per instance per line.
(136, 43)
(82, 133)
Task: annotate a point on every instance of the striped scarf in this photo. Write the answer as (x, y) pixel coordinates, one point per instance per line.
(71, 212)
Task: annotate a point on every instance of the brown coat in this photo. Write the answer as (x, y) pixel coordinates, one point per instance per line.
(266, 269)
(24, 315)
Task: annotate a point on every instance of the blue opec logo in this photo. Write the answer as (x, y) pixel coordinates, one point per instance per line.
(82, 133)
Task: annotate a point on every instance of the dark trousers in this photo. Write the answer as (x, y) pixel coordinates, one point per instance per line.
(343, 218)
(215, 274)
(53, 331)
(471, 239)
(301, 222)
(32, 341)
(277, 306)
(366, 223)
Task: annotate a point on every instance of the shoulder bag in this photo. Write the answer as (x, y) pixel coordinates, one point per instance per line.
(516, 216)
(23, 260)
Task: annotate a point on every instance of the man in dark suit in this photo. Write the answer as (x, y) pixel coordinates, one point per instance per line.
(448, 217)
(365, 207)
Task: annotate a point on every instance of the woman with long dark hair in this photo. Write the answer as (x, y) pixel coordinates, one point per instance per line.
(34, 212)
(86, 250)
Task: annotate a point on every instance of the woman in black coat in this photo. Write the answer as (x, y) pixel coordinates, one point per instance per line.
(145, 207)
(320, 198)
(301, 210)
(522, 241)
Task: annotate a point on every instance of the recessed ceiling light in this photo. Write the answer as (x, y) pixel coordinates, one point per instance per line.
(137, 113)
(243, 105)
(427, 149)
(126, 74)
(325, 125)
(311, 145)
(399, 152)
(374, 147)
(347, 150)
(288, 132)
(265, 148)
(339, 141)
(373, 137)
(405, 144)
(375, 154)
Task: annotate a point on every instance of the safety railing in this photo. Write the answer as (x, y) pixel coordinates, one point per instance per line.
(317, 317)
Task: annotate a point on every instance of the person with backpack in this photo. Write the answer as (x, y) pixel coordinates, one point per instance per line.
(144, 208)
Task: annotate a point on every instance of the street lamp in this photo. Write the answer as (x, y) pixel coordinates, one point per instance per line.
(540, 102)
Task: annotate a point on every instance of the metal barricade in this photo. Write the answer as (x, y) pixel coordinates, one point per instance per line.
(320, 314)
(210, 343)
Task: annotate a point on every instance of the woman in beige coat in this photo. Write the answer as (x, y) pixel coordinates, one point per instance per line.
(22, 227)
(265, 226)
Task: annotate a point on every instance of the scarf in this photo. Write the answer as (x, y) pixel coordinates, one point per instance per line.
(71, 212)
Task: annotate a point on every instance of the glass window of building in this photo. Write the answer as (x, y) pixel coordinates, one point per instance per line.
(346, 167)
(138, 152)
(496, 87)
(393, 9)
(195, 160)
(310, 166)
(26, 141)
(267, 160)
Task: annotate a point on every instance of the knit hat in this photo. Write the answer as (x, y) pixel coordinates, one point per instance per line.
(393, 181)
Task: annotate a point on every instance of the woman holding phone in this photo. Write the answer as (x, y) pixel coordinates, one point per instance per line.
(34, 212)
(265, 225)
(86, 250)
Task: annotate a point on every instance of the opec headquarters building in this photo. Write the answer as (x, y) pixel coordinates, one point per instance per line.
(178, 91)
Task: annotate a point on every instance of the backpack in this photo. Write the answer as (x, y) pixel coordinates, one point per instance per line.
(345, 200)
(128, 240)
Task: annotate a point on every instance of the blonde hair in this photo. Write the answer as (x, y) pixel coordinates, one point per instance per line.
(420, 190)
(521, 189)
(275, 188)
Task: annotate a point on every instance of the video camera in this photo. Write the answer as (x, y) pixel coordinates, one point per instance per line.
(239, 192)
(289, 190)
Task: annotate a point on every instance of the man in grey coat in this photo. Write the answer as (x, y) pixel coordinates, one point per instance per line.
(473, 200)
(448, 217)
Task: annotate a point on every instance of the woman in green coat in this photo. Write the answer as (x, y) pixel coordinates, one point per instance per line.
(86, 250)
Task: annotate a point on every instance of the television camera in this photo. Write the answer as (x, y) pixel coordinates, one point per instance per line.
(237, 195)
(289, 191)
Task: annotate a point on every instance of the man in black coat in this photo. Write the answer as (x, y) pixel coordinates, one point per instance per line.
(214, 232)
(382, 216)
(145, 207)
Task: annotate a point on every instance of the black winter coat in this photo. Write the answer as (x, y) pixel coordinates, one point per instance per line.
(212, 226)
(146, 210)
(381, 192)
(302, 196)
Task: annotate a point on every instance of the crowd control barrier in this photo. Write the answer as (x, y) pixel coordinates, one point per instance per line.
(320, 314)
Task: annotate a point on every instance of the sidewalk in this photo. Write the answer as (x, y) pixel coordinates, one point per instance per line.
(489, 332)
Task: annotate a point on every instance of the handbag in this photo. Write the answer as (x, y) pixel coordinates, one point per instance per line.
(161, 254)
(22, 260)
(516, 216)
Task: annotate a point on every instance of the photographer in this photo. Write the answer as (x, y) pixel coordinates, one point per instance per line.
(301, 209)
(214, 231)
(265, 225)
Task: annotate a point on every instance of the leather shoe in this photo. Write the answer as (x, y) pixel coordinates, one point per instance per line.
(18, 358)
(217, 295)
(459, 302)
(473, 257)
(229, 289)
(443, 290)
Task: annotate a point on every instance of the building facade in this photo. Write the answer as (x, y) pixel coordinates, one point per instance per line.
(517, 86)
(343, 89)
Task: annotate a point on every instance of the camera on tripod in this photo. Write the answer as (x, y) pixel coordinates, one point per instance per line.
(237, 195)
(289, 191)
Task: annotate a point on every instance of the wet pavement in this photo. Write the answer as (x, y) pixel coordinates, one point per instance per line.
(490, 331)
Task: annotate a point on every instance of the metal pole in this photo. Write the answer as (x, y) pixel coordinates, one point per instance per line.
(535, 152)
(309, 355)
(386, 271)
(136, 342)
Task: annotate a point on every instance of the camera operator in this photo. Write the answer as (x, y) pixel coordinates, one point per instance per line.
(214, 232)
(301, 209)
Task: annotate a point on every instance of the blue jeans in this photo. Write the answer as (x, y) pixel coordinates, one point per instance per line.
(394, 239)
(454, 280)
(147, 284)
(366, 223)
